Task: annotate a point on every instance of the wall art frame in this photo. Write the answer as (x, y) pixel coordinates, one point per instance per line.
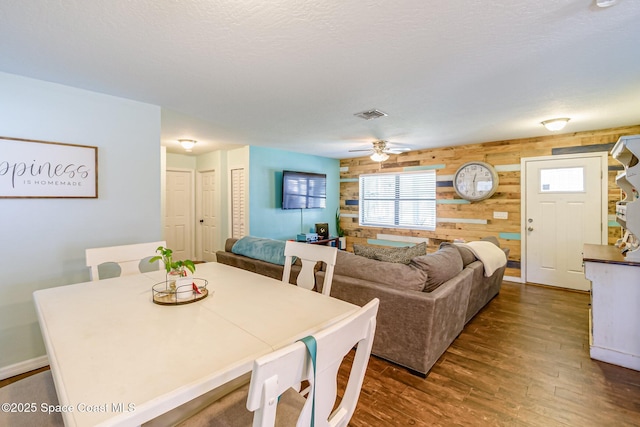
(31, 168)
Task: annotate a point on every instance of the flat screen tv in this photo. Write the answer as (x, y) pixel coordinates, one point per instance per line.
(304, 190)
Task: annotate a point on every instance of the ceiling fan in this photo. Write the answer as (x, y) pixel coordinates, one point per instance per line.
(380, 151)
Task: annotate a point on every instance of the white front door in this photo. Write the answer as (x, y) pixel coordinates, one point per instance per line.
(208, 221)
(565, 207)
(179, 218)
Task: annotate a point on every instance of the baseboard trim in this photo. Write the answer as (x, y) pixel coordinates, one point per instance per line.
(513, 279)
(22, 367)
(615, 357)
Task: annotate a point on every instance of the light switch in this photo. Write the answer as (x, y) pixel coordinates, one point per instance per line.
(501, 215)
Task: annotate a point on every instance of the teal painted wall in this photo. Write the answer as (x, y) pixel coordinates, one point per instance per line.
(266, 216)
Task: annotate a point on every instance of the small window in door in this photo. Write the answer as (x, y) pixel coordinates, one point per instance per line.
(562, 180)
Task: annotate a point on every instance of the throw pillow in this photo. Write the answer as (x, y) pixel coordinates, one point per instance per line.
(440, 266)
(467, 256)
(402, 255)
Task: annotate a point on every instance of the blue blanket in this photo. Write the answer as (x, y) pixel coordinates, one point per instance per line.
(260, 248)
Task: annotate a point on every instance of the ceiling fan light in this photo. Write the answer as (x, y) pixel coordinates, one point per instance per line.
(379, 157)
(187, 144)
(555, 124)
(605, 3)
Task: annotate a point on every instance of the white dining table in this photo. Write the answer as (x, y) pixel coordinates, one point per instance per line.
(119, 359)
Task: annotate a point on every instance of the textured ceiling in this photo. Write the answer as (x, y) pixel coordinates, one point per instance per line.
(291, 74)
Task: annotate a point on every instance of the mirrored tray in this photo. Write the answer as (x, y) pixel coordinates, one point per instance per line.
(167, 293)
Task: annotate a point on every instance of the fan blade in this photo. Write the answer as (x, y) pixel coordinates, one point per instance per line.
(396, 150)
(353, 151)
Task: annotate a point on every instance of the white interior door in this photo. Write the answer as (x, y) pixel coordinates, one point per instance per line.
(565, 207)
(208, 223)
(178, 231)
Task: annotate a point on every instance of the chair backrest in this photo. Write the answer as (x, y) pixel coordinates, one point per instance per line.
(128, 257)
(309, 254)
(275, 373)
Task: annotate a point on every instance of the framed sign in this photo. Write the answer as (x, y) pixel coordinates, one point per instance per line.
(41, 169)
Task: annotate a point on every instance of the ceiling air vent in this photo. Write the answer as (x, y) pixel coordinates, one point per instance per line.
(371, 114)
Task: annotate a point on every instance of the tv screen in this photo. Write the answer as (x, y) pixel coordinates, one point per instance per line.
(303, 190)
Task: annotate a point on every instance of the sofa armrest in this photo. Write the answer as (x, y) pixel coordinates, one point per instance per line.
(228, 244)
(413, 328)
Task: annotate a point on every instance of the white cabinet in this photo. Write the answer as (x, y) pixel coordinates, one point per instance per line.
(615, 306)
(627, 151)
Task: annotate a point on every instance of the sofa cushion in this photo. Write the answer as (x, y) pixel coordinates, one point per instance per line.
(402, 255)
(439, 266)
(396, 275)
(467, 255)
(268, 250)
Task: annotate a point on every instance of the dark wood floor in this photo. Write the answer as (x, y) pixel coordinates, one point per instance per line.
(522, 361)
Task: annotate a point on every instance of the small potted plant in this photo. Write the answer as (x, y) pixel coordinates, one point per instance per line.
(175, 269)
(340, 232)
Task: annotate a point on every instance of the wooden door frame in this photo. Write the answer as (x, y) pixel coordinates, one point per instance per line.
(191, 204)
(604, 188)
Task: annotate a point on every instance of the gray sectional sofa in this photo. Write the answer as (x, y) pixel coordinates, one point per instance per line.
(424, 304)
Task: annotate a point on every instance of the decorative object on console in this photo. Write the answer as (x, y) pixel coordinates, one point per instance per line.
(475, 181)
(626, 151)
(307, 237)
(322, 229)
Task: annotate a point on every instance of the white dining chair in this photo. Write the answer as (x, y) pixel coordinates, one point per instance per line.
(37, 389)
(127, 257)
(271, 398)
(310, 255)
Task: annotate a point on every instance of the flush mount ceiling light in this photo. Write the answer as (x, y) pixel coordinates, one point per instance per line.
(555, 124)
(187, 144)
(371, 114)
(605, 3)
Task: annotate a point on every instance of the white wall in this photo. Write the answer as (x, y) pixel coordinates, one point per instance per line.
(181, 161)
(42, 241)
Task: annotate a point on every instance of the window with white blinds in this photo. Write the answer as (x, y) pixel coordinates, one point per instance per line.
(399, 200)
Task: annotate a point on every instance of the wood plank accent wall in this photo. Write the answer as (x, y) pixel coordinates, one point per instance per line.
(475, 219)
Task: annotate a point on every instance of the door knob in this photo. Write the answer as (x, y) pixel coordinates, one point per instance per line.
(530, 229)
